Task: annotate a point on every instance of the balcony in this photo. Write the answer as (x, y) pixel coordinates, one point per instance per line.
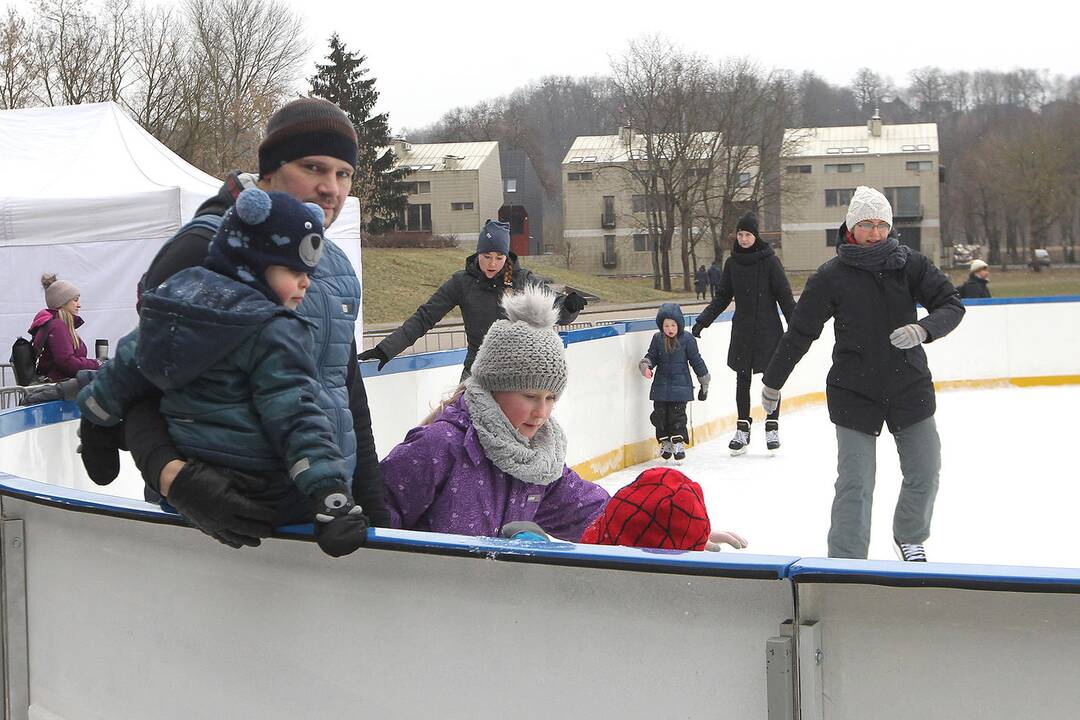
(607, 221)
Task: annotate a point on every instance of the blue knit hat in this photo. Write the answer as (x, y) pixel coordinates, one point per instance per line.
(494, 237)
(264, 229)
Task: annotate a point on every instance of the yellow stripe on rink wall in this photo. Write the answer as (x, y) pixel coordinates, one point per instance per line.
(644, 450)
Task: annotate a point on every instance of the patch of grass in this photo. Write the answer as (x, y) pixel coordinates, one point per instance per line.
(1025, 282)
(398, 280)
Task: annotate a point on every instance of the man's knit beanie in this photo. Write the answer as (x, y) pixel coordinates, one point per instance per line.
(308, 126)
(58, 293)
(523, 352)
(264, 229)
(868, 204)
(494, 237)
(662, 508)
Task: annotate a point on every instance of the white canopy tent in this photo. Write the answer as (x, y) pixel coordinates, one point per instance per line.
(88, 194)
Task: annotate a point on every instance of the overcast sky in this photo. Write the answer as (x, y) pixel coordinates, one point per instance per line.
(429, 57)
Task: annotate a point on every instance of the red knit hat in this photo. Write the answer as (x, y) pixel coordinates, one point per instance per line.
(662, 508)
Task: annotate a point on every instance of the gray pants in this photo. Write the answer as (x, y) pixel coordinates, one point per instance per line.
(920, 462)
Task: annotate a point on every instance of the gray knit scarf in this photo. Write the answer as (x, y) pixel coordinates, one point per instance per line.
(539, 461)
(888, 254)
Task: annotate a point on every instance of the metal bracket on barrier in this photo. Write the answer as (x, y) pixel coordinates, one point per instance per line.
(811, 657)
(780, 674)
(15, 657)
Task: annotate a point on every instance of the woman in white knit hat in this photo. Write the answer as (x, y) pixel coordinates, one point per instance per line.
(978, 282)
(61, 352)
(879, 373)
(492, 454)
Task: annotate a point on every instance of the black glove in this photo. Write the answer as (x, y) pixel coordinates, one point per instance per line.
(374, 354)
(215, 500)
(573, 302)
(100, 450)
(340, 524)
(703, 392)
(696, 330)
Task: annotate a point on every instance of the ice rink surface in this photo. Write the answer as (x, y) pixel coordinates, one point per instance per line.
(1009, 491)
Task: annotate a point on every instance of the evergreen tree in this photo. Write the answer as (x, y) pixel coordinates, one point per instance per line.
(341, 81)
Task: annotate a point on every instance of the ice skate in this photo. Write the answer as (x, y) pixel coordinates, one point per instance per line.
(665, 448)
(772, 435)
(909, 552)
(678, 449)
(738, 444)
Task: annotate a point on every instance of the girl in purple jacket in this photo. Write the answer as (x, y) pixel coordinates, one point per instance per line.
(492, 454)
(61, 352)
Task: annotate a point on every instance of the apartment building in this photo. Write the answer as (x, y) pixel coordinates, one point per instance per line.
(452, 187)
(821, 168)
(605, 225)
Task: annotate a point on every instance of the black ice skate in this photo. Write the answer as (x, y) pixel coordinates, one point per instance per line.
(738, 444)
(678, 448)
(665, 448)
(772, 435)
(909, 552)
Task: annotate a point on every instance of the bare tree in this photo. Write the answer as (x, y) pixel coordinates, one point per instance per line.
(70, 48)
(869, 89)
(18, 65)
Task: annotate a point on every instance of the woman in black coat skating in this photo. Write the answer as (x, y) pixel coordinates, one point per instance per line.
(755, 279)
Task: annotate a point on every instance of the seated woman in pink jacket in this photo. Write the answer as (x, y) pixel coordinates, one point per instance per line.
(61, 352)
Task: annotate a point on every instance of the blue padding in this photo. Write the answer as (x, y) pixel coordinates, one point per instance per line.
(19, 487)
(411, 363)
(932, 573)
(17, 419)
(1022, 300)
(593, 333)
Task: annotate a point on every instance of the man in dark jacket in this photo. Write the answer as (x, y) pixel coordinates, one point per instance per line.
(714, 275)
(309, 152)
(978, 283)
(477, 289)
(879, 372)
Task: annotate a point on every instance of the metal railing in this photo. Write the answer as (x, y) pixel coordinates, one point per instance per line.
(454, 338)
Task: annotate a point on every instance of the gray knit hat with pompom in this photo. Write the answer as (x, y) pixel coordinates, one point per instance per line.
(523, 352)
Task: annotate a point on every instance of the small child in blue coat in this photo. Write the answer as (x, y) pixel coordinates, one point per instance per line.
(670, 351)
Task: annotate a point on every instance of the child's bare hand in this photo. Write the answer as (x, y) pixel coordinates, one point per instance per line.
(718, 537)
(648, 374)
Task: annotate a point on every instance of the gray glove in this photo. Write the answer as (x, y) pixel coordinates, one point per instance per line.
(703, 390)
(644, 367)
(770, 399)
(908, 336)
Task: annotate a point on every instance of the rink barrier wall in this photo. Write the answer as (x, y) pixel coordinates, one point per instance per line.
(984, 351)
(101, 593)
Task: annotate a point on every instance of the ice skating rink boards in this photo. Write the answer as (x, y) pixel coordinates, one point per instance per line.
(113, 609)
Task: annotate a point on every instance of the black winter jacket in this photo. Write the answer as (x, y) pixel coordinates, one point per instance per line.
(871, 381)
(975, 287)
(146, 432)
(478, 297)
(757, 283)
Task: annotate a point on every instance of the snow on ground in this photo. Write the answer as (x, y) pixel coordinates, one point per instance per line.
(1008, 494)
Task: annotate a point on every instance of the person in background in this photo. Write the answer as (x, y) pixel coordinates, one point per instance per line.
(879, 372)
(978, 282)
(61, 352)
(489, 274)
(713, 274)
(755, 279)
(665, 363)
(492, 455)
(701, 282)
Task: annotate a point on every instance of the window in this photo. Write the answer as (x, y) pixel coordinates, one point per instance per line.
(416, 218)
(643, 242)
(910, 236)
(574, 177)
(905, 201)
(609, 250)
(919, 165)
(608, 218)
(799, 169)
(511, 185)
(845, 168)
(838, 197)
(638, 203)
(743, 181)
(830, 238)
(461, 206)
(417, 188)
(589, 158)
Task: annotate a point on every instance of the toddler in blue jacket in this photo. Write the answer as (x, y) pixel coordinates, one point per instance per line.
(234, 363)
(670, 351)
